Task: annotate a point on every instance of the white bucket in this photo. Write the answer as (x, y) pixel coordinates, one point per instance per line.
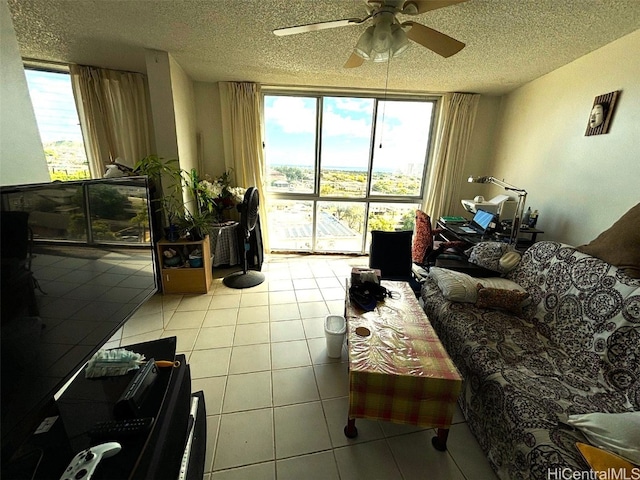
(335, 327)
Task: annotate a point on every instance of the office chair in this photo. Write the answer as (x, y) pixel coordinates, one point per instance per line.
(425, 249)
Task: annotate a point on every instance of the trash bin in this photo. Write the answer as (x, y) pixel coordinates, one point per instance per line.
(335, 327)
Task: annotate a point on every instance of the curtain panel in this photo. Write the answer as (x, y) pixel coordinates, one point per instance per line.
(114, 117)
(457, 116)
(242, 129)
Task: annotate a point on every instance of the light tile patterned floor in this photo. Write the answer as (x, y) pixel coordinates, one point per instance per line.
(276, 404)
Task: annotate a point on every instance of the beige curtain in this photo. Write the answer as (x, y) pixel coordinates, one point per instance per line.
(114, 117)
(457, 118)
(241, 106)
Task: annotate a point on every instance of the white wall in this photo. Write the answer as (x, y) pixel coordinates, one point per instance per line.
(185, 115)
(209, 125)
(480, 149)
(22, 157)
(580, 184)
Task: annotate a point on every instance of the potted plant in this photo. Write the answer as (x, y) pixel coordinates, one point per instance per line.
(196, 225)
(166, 197)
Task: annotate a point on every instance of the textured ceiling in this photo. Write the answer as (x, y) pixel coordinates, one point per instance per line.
(509, 42)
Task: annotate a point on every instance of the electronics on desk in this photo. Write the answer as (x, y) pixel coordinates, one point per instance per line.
(483, 223)
(501, 205)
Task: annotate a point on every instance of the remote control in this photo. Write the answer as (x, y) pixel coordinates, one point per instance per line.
(85, 462)
(116, 429)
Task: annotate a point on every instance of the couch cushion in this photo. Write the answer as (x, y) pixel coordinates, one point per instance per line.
(460, 287)
(619, 244)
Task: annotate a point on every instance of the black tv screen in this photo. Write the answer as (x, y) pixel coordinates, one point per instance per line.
(77, 262)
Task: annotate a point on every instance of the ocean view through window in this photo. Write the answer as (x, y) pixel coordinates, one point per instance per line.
(339, 167)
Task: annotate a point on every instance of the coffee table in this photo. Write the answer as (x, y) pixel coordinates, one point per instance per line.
(399, 372)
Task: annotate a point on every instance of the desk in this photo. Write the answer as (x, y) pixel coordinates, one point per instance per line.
(224, 244)
(472, 238)
(399, 372)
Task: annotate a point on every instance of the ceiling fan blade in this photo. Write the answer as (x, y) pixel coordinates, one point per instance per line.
(354, 61)
(440, 43)
(427, 5)
(312, 27)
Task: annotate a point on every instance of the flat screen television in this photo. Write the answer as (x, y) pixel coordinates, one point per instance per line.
(77, 262)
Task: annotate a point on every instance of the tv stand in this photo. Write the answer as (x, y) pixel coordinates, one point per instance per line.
(157, 453)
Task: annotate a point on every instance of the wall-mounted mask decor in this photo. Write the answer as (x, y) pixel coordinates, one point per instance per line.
(601, 113)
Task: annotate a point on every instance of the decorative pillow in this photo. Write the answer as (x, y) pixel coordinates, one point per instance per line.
(488, 255)
(617, 432)
(421, 237)
(499, 298)
(460, 287)
(509, 261)
(618, 245)
(455, 286)
(606, 462)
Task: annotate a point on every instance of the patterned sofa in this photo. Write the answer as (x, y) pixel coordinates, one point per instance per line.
(576, 349)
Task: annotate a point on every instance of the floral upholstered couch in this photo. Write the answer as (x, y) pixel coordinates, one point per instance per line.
(574, 349)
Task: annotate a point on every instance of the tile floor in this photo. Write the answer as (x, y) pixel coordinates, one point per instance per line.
(276, 404)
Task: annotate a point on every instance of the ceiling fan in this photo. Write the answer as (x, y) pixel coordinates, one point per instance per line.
(388, 37)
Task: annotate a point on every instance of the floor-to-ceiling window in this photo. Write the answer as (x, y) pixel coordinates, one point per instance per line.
(339, 167)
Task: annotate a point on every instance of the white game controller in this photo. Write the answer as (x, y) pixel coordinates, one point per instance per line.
(85, 462)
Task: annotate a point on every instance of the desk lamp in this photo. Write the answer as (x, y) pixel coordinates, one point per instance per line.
(517, 216)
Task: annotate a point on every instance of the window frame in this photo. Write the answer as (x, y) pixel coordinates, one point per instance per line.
(369, 198)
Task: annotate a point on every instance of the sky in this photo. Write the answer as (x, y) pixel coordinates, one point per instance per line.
(54, 105)
(403, 131)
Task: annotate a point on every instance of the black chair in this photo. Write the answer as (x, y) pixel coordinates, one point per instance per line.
(390, 252)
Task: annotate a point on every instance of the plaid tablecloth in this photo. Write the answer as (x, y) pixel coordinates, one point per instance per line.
(224, 244)
(400, 372)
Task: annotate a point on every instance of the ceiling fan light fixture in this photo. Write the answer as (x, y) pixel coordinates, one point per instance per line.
(399, 42)
(364, 46)
(382, 34)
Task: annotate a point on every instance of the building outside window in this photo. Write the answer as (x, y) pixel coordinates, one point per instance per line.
(339, 167)
(57, 118)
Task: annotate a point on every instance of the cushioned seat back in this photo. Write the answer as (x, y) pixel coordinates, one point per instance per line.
(391, 253)
(587, 307)
(422, 239)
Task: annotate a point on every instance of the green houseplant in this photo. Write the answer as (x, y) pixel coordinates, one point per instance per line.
(166, 195)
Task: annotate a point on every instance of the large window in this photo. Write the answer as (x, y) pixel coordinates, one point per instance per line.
(339, 167)
(57, 117)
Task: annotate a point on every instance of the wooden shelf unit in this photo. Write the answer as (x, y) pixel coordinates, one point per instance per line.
(186, 279)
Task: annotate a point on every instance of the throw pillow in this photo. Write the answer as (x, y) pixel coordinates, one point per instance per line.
(617, 432)
(618, 245)
(602, 461)
(488, 255)
(509, 261)
(421, 237)
(455, 286)
(460, 287)
(499, 298)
